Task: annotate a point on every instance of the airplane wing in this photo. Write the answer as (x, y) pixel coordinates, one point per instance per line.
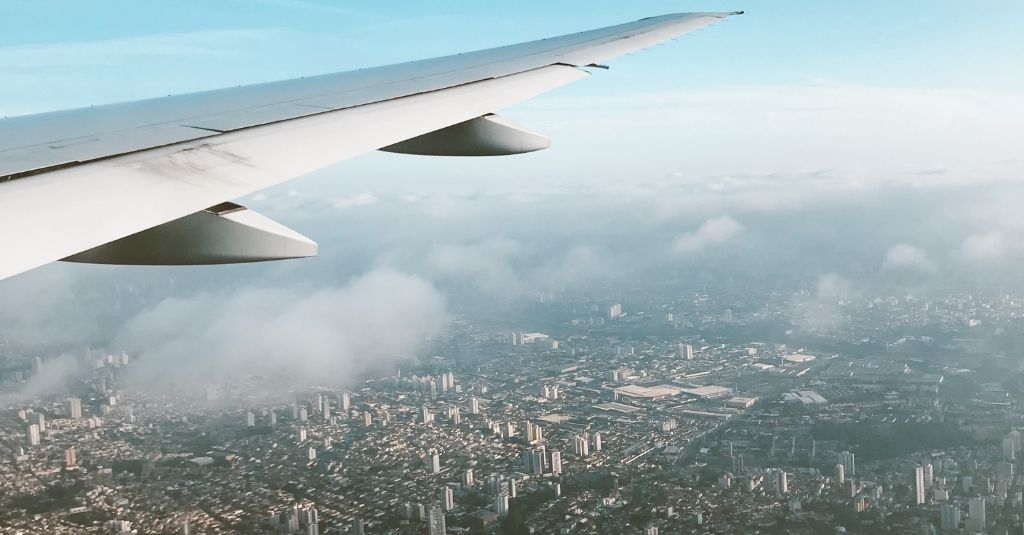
(150, 182)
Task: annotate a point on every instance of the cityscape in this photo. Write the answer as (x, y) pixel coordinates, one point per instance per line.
(684, 414)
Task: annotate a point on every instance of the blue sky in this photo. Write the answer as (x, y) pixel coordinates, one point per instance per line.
(143, 47)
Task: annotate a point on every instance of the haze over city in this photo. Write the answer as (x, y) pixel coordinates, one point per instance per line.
(820, 201)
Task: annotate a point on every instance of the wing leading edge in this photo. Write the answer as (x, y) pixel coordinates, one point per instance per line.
(75, 180)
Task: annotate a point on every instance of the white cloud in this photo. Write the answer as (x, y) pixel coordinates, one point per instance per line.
(355, 200)
(985, 247)
(711, 232)
(907, 257)
(330, 335)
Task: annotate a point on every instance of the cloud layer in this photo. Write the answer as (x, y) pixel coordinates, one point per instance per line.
(334, 335)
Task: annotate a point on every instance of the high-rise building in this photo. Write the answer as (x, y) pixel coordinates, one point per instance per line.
(850, 488)
(467, 477)
(615, 311)
(311, 453)
(435, 462)
(33, 435)
(250, 419)
(357, 527)
(556, 462)
(437, 526)
(74, 407)
(651, 530)
(327, 410)
(346, 401)
(425, 416)
(929, 475)
(847, 459)
(449, 498)
(39, 419)
(302, 434)
(950, 517)
(582, 445)
(919, 485)
(534, 432)
(501, 505)
(597, 441)
(781, 482)
(367, 418)
(534, 461)
(303, 414)
(70, 457)
(686, 351)
(474, 406)
(976, 514)
(840, 473)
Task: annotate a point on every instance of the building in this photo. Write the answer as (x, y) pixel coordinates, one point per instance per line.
(919, 485)
(435, 462)
(33, 435)
(346, 401)
(556, 462)
(474, 406)
(840, 473)
(74, 407)
(501, 505)
(70, 457)
(781, 482)
(976, 514)
(367, 418)
(929, 475)
(449, 498)
(437, 526)
(597, 441)
(582, 445)
(686, 351)
(250, 419)
(39, 419)
(847, 459)
(467, 478)
(950, 517)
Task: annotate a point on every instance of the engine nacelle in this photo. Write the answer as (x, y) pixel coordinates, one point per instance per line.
(489, 135)
(223, 234)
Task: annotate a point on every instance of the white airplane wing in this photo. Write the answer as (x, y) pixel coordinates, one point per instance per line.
(150, 182)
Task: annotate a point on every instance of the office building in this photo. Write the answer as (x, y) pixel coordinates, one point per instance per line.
(437, 526)
(847, 459)
(781, 482)
(950, 519)
(74, 407)
(501, 505)
(582, 446)
(976, 514)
